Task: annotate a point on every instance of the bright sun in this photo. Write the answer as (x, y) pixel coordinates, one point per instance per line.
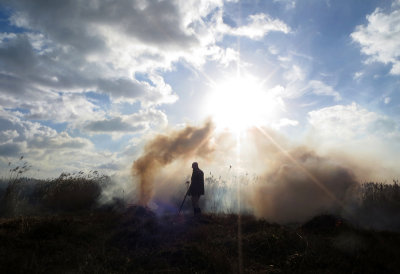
(239, 103)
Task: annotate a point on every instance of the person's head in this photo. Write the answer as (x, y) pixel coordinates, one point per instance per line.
(195, 165)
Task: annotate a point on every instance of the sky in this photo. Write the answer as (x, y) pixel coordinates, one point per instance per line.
(84, 83)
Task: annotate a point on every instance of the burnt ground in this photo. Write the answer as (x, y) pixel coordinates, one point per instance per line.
(136, 241)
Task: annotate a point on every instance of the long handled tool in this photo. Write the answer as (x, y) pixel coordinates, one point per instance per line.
(187, 192)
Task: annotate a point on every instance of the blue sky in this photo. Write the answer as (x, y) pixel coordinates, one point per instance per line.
(84, 84)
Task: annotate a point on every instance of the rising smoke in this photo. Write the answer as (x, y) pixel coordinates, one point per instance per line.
(294, 182)
(187, 143)
(302, 185)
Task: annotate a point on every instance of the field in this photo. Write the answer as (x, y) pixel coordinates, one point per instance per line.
(59, 226)
(134, 240)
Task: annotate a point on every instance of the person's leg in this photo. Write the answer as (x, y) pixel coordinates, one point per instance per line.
(198, 210)
(195, 203)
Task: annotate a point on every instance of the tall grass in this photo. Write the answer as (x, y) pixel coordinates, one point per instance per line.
(379, 206)
(21, 195)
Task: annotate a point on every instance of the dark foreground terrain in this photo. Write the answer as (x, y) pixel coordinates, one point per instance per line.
(134, 240)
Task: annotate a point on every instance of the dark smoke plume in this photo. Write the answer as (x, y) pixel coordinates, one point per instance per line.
(187, 143)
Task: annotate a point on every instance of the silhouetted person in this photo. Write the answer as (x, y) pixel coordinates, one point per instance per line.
(196, 187)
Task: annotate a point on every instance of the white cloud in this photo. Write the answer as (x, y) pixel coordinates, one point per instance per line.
(395, 68)
(34, 135)
(58, 141)
(285, 122)
(8, 135)
(63, 108)
(320, 88)
(43, 147)
(6, 36)
(349, 122)
(131, 90)
(46, 149)
(358, 75)
(298, 85)
(84, 54)
(295, 73)
(259, 25)
(380, 38)
(107, 43)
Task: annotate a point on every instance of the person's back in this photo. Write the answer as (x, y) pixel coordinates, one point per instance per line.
(197, 182)
(196, 187)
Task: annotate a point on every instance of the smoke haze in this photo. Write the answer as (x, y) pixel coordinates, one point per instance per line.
(303, 186)
(293, 183)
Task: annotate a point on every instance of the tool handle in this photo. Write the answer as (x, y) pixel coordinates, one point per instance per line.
(183, 200)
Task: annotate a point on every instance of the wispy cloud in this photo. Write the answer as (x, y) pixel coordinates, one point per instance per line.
(259, 25)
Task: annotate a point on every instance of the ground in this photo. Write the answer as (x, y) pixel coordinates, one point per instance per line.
(135, 240)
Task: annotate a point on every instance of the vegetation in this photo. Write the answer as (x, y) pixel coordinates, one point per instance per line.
(68, 193)
(58, 226)
(379, 206)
